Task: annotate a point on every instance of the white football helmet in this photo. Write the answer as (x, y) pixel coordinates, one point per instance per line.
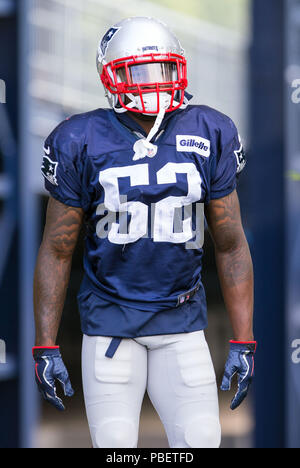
(142, 67)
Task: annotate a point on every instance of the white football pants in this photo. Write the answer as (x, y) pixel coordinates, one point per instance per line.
(178, 374)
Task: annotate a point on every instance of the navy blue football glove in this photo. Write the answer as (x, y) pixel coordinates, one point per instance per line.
(49, 367)
(241, 362)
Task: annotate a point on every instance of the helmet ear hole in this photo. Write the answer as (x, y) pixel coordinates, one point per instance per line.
(141, 57)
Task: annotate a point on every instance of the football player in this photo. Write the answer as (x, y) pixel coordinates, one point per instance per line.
(142, 176)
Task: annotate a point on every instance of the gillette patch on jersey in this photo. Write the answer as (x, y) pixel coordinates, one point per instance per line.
(193, 144)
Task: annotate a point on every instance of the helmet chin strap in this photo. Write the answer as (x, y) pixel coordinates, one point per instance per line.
(133, 103)
(143, 147)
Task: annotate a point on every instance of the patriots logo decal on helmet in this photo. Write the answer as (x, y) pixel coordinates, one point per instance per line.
(106, 39)
(49, 169)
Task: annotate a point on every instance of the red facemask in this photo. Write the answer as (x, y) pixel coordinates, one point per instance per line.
(147, 75)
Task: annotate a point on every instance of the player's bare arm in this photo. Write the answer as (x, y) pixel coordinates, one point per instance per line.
(53, 267)
(236, 277)
(51, 280)
(233, 262)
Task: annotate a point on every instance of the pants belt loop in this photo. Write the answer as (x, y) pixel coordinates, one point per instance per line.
(114, 344)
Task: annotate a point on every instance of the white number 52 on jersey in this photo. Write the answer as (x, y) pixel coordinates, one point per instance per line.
(164, 210)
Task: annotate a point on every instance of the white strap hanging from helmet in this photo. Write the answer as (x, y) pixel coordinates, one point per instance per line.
(144, 147)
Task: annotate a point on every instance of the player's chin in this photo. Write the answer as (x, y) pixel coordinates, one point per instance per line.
(148, 117)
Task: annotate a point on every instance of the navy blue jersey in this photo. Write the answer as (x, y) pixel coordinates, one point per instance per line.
(144, 219)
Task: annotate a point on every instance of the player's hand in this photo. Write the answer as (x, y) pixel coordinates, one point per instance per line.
(241, 362)
(50, 367)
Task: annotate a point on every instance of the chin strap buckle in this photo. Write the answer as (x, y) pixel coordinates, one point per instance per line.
(143, 148)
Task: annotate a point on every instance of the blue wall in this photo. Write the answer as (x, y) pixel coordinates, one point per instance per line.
(9, 285)
(266, 216)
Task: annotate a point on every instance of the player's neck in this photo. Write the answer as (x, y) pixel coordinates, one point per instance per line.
(145, 121)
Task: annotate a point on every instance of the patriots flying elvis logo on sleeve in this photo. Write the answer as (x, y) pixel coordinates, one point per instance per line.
(49, 169)
(240, 157)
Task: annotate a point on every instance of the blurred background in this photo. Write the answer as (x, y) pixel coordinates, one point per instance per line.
(244, 60)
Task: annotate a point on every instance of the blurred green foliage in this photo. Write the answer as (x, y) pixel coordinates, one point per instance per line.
(229, 13)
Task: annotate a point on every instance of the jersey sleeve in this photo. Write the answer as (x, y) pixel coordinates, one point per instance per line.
(229, 163)
(61, 166)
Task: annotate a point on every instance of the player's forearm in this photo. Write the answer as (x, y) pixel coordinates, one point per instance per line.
(236, 277)
(53, 267)
(50, 285)
(234, 263)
